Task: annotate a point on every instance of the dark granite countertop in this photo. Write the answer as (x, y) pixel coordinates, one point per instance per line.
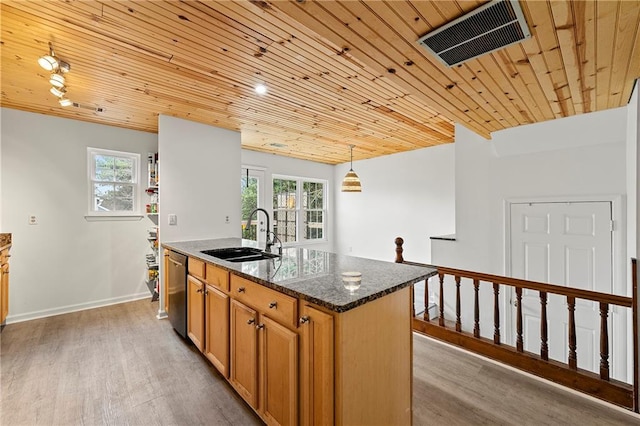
(5, 240)
(313, 275)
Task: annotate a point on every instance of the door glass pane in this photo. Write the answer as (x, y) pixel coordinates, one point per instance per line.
(249, 196)
(284, 209)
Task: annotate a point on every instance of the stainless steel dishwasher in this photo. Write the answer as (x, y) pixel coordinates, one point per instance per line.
(177, 274)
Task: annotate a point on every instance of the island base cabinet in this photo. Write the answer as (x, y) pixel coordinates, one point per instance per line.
(217, 329)
(373, 362)
(244, 352)
(278, 373)
(195, 311)
(316, 367)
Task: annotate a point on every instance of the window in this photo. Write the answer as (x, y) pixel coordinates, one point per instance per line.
(251, 188)
(295, 198)
(113, 182)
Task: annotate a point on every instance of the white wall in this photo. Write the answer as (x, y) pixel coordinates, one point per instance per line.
(199, 180)
(574, 157)
(571, 157)
(278, 165)
(408, 195)
(65, 262)
(199, 169)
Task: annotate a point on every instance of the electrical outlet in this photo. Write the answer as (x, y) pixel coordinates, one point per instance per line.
(33, 220)
(173, 219)
(226, 220)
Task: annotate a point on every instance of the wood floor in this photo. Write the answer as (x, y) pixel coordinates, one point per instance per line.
(119, 365)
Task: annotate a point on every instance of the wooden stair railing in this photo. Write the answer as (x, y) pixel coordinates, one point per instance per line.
(568, 374)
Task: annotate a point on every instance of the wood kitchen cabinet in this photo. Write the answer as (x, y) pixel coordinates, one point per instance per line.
(316, 366)
(298, 363)
(4, 285)
(195, 311)
(216, 342)
(264, 350)
(244, 352)
(278, 373)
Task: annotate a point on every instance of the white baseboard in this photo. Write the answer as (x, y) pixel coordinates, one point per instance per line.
(12, 319)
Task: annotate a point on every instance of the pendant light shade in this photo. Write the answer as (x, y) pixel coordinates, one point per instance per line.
(351, 181)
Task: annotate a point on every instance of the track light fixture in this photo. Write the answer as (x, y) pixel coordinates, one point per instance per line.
(57, 67)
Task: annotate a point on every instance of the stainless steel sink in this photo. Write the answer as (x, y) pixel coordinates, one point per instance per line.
(239, 254)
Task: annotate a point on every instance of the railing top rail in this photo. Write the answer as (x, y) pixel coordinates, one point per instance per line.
(595, 296)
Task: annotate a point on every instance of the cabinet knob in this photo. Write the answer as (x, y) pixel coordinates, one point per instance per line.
(240, 289)
(273, 305)
(251, 321)
(199, 290)
(304, 319)
(259, 326)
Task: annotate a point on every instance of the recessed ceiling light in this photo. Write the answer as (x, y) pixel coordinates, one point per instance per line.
(261, 89)
(65, 102)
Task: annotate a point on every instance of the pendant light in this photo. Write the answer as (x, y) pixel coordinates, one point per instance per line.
(351, 181)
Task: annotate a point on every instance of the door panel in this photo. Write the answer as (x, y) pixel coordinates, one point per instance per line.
(244, 352)
(217, 329)
(568, 244)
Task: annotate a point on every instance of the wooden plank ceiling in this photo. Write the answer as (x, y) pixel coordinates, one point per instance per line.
(338, 73)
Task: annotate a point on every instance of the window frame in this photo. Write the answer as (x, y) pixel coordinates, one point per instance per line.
(300, 210)
(135, 183)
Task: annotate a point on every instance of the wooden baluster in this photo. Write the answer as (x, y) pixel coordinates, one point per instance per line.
(544, 337)
(426, 300)
(476, 309)
(519, 343)
(573, 356)
(496, 314)
(441, 319)
(604, 341)
(458, 322)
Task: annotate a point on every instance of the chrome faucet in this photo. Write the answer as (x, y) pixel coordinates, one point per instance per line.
(269, 242)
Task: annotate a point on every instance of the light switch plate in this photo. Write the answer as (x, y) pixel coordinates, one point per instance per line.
(173, 219)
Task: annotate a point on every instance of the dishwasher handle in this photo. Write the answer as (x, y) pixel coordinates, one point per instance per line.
(176, 262)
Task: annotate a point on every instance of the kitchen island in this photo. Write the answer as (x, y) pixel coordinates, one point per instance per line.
(309, 337)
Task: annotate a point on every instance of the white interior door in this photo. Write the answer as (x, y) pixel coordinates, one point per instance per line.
(568, 244)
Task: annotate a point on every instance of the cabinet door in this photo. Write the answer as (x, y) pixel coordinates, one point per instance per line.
(217, 329)
(244, 352)
(278, 373)
(195, 311)
(4, 290)
(316, 367)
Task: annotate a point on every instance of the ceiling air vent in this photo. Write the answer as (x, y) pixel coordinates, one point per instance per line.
(490, 27)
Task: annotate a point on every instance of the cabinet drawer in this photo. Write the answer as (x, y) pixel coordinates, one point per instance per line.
(217, 277)
(196, 268)
(275, 305)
